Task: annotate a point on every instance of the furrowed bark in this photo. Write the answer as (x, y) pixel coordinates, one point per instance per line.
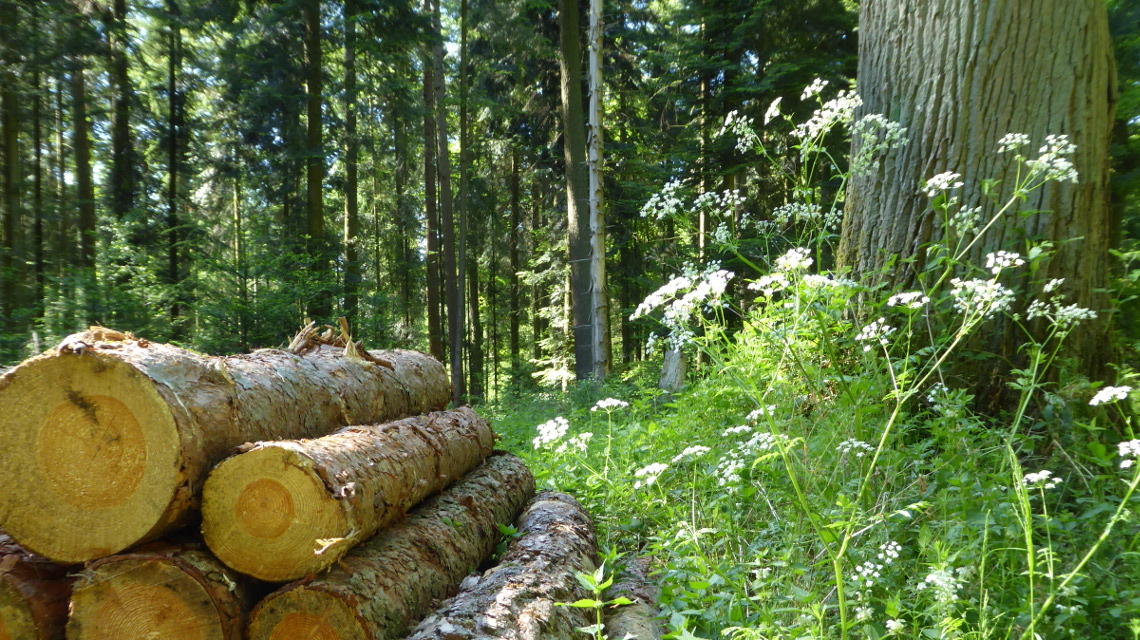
(283, 510)
(173, 591)
(516, 599)
(33, 594)
(108, 438)
(383, 586)
(634, 621)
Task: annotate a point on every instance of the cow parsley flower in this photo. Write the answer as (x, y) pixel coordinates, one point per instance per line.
(773, 110)
(1129, 450)
(867, 573)
(858, 447)
(942, 182)
(731, 431)
(909, 299)
(649, 474)
(770, 284)
(813, 89)
(1044, 479)
(895, 627)
(987, 297)
(665, 203)
(1109, 395)
(609, 404)
(1055, 163)
(551, 431)
(756, 414)
(798, 259)
(796, 211)
(995, 262)
(694, 451)
(838, 110)
(581, 442)
(1012, 142)
(889, 551)
(944, 584)
(877, 331)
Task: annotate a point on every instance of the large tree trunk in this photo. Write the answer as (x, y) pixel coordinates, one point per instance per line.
(959, 75)
(174, 591)
(352, 145)
(517, 599)
(84, 188)
(431, 220)
(109, 439)
(33, 594)
(122, 176)
(599, 297)
(283, 510)
(577, 188)
(10, 250)
(516, 260)
(321, 305)
(176, 153)
(385, 585)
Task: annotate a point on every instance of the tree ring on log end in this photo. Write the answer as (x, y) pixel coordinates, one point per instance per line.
(306, 613)
(138, 599)
(16, 620)
(90, 457)
(266, 513)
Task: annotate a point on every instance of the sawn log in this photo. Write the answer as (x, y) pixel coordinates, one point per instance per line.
(33, 594)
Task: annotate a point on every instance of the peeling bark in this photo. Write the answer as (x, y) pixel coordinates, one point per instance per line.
(108, 438)
(633, 621)
(33, 594)
(174, 591)
(383, 586)
(283, 510)
(516, 599)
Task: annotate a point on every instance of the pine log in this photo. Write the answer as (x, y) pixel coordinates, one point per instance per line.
(33, 594)
(516, 599)
(283, 510)
(383, 586)
(633, 621)
(108, 438)
(173, 591)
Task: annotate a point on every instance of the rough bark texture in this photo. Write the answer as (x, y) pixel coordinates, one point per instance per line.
(383, 586)
(283, 510)
(33, 594)
(173, 591)
(108, 439)
(599, 298)
(959, 75)
(634, 621)
(516, 599)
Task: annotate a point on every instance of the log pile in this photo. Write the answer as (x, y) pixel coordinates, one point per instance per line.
(324, 464)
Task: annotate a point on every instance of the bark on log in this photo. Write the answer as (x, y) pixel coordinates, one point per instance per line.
(383, 586)
(516, 599)
(283, 510)
(108, 438)
(173, 591)
(633, 621)
(33, 594)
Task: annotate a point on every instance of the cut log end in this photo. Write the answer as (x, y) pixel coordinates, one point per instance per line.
(307, 613)
(142, 599)
(16, 619)
(271, 499)
(89, 443)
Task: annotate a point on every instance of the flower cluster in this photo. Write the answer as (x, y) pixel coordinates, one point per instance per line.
(942, 182)
(798, 259)
(756, 414)
(966, 219)
(797, 212)
(770, 284)
(944, 401)
(995, 262)
(1055, 162)
(839, 110)
(649, 474)
(731, 431)
(895, 627)
(665, 203)
(1064, 316)
(551, 431)
(742, 126)
(986, 297)
(1129, 450)
(813, 89)
(858, 447)
(773, 110)
(867, 573)
(874, 135)
(909, 299)
(1012, 142)
(944, 583)
(877, 331)
(681, 298)
(889, 551)
(1109, 395)
(863, 613)
(609, 404)
(694, 451)
(1044, 479)
(580, 442)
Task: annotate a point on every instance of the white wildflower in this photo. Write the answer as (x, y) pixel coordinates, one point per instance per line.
(756, 414)
(1054, 162)
(649, 474)
(665, 203)
(773, 110)
(874, 136)
(895, 627)
(798, 259)
(658, 298)
(863, 614)
(694, 451)
(1053, 284)
(609, 404)
(889, 551)
(995, 262)
(770, 284)
(858, 447)
(1109, 395)
(1012, 142)
(551, 431)
(1129, 450)
(945, 585)
(728, 469)
(909, 299)
(731, 431)
(867, 573)
(838, 110)
(966, 219)
(877, 331)
(797, 212)
(1044, 479)
(986, 297)
(814, 88)
(942, 182)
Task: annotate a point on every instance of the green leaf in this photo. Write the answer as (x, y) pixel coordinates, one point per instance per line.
(584, 603)
(620, 601)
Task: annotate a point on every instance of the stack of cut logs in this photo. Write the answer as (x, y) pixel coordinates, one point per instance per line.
(335, 496)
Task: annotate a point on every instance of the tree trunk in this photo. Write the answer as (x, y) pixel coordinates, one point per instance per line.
(599, 299)
(38, 257)
(10, 251)
(517, 599)
(385, 585)
(516, 260)
(959, 75)
(475, 350)
(633, 621)
(351, 221)
(110, 438)
(122, 176)
(431, 224)
(447, 220)
(84, 189)
(577, 189)
(282, 510)
(464, 197)
(176, 124)
(320, 306)
(174, 591)
(33, 594)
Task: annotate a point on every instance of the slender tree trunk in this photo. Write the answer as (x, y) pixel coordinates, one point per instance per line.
(959, 79)
(351, 207)
(447, 221)
(516, 262)
(175, 124)
(599, 297)
(84, 189)
(62, 247)
(10, 251)
(122, 175)
(321, 306)
(239, 259)
(403, 218)
(431, 216)
(38, 258)
(464, 168)
(577, 189)
(536, 325)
